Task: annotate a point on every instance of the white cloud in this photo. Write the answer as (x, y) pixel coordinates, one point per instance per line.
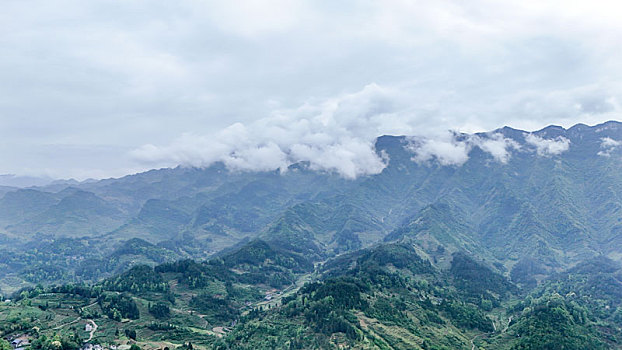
(548, 147)
(252, 18)
(608, 145)
(335, 135)
(497, 146)
(446, 150)
(607, 142)
(453, 149)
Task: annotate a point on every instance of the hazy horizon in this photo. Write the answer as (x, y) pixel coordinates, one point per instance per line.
(503, 154)
(102, 89)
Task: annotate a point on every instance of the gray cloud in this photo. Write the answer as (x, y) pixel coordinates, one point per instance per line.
(109, 77)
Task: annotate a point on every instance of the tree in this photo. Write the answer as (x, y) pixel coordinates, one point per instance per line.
(130, 333)
(4, 345)
(160, 310)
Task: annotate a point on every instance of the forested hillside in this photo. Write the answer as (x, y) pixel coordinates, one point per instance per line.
(512, 249)
(544, 206)
(383, 297)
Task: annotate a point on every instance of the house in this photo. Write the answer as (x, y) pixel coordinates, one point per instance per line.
(88, 346)
(20, 342)
(88, 327)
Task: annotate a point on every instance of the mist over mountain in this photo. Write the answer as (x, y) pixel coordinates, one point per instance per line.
(277, 174)
(506, 239)
(550, 198)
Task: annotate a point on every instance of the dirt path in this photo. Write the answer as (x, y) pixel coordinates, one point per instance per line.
(67, 324)
(220, 331)
(92, 330)
(291, 289)
(89, 305)
(508, 325)
(473, 341)
(485, 334)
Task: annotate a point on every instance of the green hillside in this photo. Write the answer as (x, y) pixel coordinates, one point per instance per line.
(551, 210)
(383, 297)
(522, 254)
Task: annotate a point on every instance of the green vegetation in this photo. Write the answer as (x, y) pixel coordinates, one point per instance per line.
(478, 283)
(555, 324)
(520, 255)
(160, 310)
(118, 306)
(383, 297)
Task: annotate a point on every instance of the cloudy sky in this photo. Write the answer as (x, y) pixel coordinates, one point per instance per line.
(105, 88)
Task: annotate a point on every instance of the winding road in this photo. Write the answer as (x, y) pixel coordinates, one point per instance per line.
(67, 324)
(495, 329)
(473, 340)
(508, 326)
(92, 330)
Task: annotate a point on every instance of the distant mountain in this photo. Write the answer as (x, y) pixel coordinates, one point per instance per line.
(12, 180)
(531, 204)
(517, 246)
(78, 213)
(21, 204)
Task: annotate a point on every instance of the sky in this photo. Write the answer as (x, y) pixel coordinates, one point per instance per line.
(95, 89)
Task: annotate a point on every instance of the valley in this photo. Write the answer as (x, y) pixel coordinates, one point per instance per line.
(517, 253)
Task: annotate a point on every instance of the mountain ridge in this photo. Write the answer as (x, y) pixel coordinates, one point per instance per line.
(541, 202)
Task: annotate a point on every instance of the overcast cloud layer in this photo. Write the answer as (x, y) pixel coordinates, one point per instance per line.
(104, 88)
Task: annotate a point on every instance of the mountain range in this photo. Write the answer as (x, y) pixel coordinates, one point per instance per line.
(541, 202)
(500, 240)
